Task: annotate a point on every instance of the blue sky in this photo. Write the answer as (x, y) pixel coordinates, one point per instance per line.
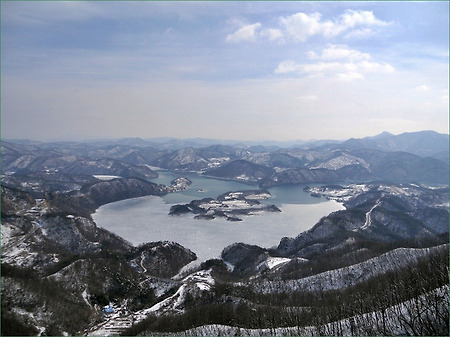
(229, 70)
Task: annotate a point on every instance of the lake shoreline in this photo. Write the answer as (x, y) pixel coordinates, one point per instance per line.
(147, 219)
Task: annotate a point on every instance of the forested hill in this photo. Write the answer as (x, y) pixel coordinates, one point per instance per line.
(377, 267)
(420, 157)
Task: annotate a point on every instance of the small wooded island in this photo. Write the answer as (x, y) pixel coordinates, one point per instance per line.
(229, 205)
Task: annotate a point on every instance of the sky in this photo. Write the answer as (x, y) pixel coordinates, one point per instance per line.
(225, 70)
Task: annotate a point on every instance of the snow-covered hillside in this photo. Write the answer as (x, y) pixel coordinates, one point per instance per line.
(342, 278)
(410, 318)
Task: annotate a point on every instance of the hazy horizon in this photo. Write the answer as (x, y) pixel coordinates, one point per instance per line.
(244, 71)
(200, 139)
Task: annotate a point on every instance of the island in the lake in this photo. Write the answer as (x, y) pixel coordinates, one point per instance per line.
(179, 184)
(230, 205)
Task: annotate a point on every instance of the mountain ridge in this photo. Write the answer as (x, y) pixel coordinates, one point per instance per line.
(203, 142)
(379, 267)
(409, 157)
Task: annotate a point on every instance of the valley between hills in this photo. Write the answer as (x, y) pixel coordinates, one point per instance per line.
(377, 267)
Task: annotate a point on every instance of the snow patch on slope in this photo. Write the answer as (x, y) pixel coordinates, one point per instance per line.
(348, 276)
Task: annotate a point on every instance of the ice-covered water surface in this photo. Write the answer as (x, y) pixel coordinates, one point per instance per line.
(146, 219)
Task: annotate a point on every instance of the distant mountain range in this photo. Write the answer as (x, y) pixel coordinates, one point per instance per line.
(377, 267)
(423, 143)
(410, 157)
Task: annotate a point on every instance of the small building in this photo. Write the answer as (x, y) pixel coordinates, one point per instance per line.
(108, 309)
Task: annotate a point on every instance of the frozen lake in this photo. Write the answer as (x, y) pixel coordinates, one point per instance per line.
(146, 219)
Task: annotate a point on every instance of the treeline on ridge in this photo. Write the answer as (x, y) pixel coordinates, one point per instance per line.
(370, 303)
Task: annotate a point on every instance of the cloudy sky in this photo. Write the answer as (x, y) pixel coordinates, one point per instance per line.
(223, 70)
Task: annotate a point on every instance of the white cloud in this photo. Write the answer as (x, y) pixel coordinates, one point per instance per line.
(335, 61)
(288, 66)
(422, 88)
(302, 26)
(339, 52)
(352, 18)
(272, 34)
(245, 33)
(252, 32)
(322, 67)
(122, 79)
(276, 108)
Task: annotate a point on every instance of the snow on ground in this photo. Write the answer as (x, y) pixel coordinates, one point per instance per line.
(85, 296)
(396, 320)
(348, 276)
(31, 317)
(202, 279)
(340, 194)
(211, 204)
(216, 162)
(105, 177)
(236, 203)
(144, 270)
(272, 262)
(258, 196)
(341, 161)
(233, 195)
(117, 322)
(230, 267)
(16, 249)
(112, 327)
(7, 233)
(368, 221)
(347, 192)
(253, 196)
